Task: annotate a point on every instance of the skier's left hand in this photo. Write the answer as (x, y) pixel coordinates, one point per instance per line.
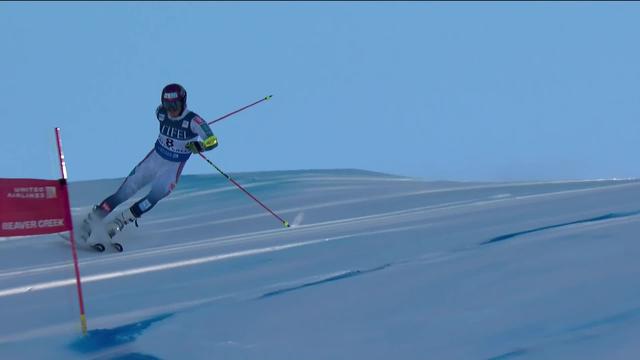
(195, 147)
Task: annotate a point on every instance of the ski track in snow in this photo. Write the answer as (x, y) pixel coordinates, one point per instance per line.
(382, 218)
(362, 221)
(177, 264)
(378, 219)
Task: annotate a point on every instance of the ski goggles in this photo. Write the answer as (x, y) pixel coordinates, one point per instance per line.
(171, 105)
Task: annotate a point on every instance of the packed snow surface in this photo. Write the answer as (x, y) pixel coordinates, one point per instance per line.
(375, 266)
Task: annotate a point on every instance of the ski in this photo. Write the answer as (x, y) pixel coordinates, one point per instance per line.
(98, 246)
(117, 246)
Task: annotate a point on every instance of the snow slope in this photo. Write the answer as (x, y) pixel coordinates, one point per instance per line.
(377, 267)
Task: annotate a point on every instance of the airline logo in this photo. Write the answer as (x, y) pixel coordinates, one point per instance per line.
(33, 192)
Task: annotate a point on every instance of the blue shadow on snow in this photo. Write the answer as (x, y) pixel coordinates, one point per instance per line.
(510, 355)
(101, 339)
(618, 318)
(342, 276)
(598, 218)
(135, 356)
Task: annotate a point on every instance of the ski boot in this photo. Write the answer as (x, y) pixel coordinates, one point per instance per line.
(117, 224)
(94, 217)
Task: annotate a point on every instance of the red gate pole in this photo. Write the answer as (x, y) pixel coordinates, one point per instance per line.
(63, 171)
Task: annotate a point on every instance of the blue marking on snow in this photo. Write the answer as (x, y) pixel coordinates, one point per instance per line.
(598, 218)
(510, 355)
(101, 339)
(345, 275)
(135, 356)
(618, 318)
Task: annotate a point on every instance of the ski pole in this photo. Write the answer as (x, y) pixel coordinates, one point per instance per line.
(237, 111)
(284, 222)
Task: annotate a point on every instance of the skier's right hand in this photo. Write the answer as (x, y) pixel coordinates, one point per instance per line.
(195, 147)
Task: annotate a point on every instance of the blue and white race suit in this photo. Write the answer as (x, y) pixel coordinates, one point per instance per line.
(163, 165)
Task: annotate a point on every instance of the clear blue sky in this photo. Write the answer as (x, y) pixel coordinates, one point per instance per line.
(437, 90)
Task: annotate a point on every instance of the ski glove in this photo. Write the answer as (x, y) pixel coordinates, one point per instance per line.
(199, 146)
(195, 147)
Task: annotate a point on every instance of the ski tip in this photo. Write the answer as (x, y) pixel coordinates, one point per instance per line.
(286, 224)
(268, 97)
(98, 247)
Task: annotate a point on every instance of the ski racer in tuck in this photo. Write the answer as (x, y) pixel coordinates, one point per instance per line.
(180, 129)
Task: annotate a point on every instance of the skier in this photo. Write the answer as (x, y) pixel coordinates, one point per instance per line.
(178, 139)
